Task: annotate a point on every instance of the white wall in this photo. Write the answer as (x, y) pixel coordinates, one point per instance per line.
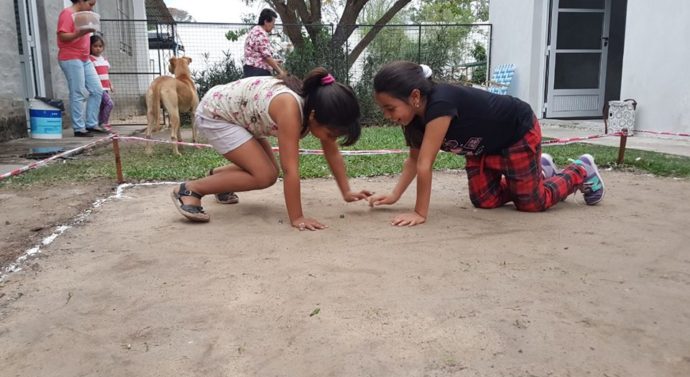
(656, 63)
(519, 38)
(12, 114)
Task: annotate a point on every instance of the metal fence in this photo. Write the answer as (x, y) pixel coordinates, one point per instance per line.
(138, 52)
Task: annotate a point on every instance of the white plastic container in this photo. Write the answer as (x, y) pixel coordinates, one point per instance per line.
(87, 21)
(622, 116)
(46, 120)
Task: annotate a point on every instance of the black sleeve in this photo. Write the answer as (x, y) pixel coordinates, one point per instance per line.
(439, 109)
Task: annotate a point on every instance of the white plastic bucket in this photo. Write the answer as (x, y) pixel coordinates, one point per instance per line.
(46, 120)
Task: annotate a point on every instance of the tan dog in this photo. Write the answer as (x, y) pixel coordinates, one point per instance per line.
(176, 94)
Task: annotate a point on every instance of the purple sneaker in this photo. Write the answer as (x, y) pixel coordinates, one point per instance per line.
(593, 188)
(548, 167)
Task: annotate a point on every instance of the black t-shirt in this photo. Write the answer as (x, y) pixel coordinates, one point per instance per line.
(482, 122)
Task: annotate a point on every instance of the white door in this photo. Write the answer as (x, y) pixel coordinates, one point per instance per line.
(577, 52)
(29, 49)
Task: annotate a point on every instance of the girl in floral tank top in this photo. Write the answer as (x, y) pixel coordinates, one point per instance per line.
(237, 117)
(245, 103)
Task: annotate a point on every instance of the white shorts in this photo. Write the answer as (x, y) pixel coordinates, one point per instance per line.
(223, 136)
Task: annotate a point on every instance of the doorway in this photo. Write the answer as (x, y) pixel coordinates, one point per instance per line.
(577, 58)
(29, 46)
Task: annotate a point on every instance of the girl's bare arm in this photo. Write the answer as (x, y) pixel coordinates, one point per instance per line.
(337, 165)
(285, 110)
(433, 138)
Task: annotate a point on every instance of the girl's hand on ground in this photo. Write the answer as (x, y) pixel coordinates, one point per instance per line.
(408, 219)
(304, 223)
(377, 200)
(355, 196)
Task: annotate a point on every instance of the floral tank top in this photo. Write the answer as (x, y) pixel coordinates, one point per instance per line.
(245, 103)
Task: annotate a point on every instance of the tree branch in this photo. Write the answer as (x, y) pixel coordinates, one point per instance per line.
(291, 25)
(348, 21)
(400, 4)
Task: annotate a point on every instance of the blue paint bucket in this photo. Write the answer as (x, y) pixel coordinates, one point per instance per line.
(46, 120)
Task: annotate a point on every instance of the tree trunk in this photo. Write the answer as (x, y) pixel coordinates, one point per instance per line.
(294, 14)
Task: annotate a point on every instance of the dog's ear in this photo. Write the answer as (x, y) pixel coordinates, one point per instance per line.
(171, 67)
(189, 60)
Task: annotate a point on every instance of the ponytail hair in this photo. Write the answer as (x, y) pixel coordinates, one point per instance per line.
(334, 104)
(398, 79)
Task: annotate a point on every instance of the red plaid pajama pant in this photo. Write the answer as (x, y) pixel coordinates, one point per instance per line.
(515, 176)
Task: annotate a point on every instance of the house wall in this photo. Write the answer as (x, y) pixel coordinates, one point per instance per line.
(655, 64)
(52, 71)
(519, 37)
(12, 113)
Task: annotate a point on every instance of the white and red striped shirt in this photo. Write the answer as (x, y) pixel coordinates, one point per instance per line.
(102, 68)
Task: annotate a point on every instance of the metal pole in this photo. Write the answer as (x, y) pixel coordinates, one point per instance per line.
(118, 161)
(488, 55)
(621, 147)
(419, 44)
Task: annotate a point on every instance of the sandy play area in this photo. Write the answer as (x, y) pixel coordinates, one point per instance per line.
(135, 290)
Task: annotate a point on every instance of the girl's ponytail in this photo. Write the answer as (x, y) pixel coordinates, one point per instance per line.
(334, 105)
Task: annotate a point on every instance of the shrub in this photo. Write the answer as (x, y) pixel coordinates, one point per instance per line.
(217, 73)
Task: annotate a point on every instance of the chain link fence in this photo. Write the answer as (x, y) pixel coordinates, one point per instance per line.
(139, 51)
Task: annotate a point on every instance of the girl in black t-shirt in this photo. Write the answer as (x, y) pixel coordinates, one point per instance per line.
(499, 136)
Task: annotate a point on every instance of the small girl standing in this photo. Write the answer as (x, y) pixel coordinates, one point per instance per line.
(237, 117)
(499, 136)
(102, 69)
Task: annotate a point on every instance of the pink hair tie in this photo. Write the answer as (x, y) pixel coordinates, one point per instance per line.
(327, 80)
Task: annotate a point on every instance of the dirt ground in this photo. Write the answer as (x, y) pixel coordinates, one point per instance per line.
(135, 290)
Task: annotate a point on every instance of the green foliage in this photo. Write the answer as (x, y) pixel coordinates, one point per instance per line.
(479, 72)
(234, 35)
(217, 73)
(391, 43)
(444, 48)
(317, 52)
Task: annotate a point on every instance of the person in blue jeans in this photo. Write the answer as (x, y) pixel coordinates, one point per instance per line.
(74, 47)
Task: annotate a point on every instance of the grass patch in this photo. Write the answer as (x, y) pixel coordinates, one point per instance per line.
(164, 166)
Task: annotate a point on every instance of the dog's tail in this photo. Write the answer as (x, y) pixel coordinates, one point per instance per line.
(153, 108)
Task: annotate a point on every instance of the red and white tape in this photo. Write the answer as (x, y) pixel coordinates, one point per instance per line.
(664, 133)
(574, 139)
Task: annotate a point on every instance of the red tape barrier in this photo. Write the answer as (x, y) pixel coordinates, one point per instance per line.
(574, 139)
(664, 133)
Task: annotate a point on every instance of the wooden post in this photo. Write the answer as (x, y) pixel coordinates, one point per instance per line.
(118, 161)
(621, 147)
